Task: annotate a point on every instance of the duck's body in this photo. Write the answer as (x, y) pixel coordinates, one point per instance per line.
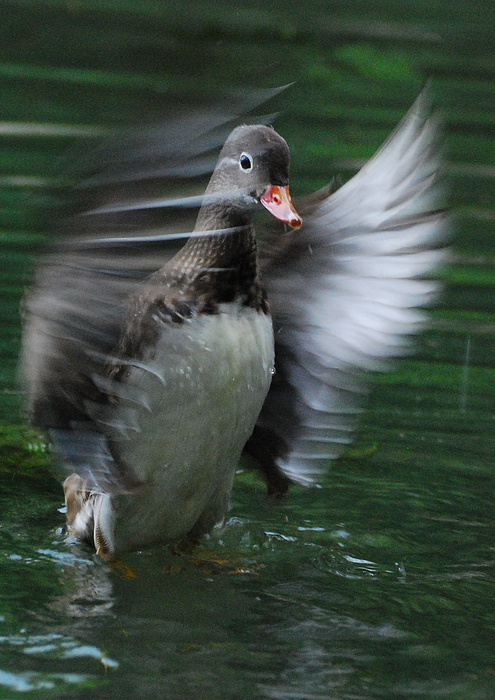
(203, 386)
(189, 376)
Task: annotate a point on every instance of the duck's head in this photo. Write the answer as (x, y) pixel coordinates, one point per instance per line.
(253, 170)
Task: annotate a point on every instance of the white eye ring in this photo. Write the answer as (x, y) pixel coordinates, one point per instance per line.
(245, 162)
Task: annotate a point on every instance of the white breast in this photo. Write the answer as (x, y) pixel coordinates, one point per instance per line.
(203, 386)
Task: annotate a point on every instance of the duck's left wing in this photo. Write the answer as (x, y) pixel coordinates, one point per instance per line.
(134, 206)
(344, 291)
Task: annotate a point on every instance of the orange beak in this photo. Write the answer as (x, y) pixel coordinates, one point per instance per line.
(278, 202)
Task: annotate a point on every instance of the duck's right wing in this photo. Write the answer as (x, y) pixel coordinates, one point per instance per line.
(344, 292)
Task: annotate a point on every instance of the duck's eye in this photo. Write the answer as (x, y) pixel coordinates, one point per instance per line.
(245, 161)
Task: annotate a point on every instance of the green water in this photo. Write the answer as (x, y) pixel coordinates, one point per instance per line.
(381, 583)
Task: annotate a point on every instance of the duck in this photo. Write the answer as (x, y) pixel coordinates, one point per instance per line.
(156, 354)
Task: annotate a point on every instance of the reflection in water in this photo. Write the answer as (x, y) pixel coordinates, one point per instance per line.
(51, 651)
(31, 680)
(344, 564)
(86, 584)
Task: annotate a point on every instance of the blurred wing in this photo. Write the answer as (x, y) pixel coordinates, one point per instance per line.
(135, 203)
(344, 292)
(72, 325)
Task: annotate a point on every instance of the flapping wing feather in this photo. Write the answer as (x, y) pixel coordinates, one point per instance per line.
(344, 292)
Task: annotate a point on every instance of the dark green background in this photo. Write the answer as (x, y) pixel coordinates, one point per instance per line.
(378, 585)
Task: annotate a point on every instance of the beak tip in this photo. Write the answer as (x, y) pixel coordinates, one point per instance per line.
(278, 202)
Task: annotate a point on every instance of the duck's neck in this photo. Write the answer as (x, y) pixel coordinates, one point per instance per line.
(222, 265)
(213, 268)
(222, 212)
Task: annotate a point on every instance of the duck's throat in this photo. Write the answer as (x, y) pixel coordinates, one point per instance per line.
(219, 267)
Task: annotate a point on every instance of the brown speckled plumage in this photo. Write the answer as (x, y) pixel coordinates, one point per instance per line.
(209, 271)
